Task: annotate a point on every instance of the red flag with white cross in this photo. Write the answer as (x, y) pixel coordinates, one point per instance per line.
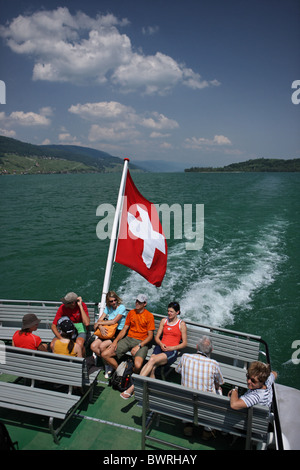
(142, 245)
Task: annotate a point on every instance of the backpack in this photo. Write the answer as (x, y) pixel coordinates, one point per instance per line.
(121, 378)
(5, 440)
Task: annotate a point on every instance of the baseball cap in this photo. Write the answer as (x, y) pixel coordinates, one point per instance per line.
(66, 326)
(69, 298)
(142, 298)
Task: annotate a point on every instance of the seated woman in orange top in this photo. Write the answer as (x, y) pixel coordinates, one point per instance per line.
(24, 338)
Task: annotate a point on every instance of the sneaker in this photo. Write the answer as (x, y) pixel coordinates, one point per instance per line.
(108, 371)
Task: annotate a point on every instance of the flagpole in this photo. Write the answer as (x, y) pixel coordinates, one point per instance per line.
(113, 239)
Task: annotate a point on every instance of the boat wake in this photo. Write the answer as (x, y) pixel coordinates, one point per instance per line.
(213, 283)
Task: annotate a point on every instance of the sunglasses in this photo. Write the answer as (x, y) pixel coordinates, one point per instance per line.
(254, 381)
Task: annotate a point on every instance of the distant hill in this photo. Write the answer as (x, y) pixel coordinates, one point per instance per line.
(18, 157)
(161, 166)
(256, 165)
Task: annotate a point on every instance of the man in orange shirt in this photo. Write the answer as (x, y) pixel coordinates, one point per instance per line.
(135, 337)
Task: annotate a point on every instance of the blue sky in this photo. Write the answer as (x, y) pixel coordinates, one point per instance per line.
(194, 82)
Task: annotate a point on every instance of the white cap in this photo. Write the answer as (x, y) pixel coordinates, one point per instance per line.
(142, 298)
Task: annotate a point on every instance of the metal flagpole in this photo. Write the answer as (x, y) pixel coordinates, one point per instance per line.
(113, 240)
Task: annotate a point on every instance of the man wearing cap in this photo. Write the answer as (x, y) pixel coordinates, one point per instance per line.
(76, 310)
(24, 338)
(135, 337)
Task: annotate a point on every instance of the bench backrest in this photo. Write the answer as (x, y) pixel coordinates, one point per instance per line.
(227, 345)
(12, 312)
(43, 366)
(203, 408)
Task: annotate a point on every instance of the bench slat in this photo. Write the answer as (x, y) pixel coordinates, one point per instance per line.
(33, 400)
(41, 366)
(47, 367)
(6, 333)
(207, 408)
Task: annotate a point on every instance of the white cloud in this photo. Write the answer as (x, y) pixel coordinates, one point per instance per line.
(150, 30)
(112, 120)
(7, 133)
(166, 145)
(101, 110)
(158, 73)
(158, 135)
(200, 142)
(116, 133)
(159, 121)
(81, 49)
(25, 119)
(194, 80)
(28, 119)
(66, 138)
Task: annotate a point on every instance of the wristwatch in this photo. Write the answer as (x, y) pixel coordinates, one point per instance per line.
(140, 346)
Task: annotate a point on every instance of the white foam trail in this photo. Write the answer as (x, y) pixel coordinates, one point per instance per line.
(233, 278)
(211, 285)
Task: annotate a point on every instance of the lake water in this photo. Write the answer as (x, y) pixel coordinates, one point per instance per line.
(245, 277)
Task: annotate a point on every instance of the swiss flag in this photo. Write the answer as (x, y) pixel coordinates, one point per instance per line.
(142, 245)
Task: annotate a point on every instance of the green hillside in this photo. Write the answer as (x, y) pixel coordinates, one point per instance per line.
(256, 165)
(18, 157)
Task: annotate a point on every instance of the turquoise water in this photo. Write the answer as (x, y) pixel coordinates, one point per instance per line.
(245, 277)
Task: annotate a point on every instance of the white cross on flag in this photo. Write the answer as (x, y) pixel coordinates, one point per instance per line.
(142, 245)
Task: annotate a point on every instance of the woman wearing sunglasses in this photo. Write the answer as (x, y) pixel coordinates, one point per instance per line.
(114, 312)
(259, 380)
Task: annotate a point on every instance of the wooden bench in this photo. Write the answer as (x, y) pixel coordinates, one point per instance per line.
(12, 312)
(232, 349)
(199, 408)
(36, 367)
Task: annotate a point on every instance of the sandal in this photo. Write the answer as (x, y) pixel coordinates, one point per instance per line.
(128, 395)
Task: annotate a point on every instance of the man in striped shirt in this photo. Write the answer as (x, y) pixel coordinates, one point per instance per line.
(199, 371)
(259, 381)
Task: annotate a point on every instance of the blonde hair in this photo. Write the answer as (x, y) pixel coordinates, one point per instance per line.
(112, 293)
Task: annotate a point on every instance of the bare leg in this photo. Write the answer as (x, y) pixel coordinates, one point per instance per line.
(108, 355)
(154, 361)
(80, 342)
(96, 346)
(104, 345)
(149, 368)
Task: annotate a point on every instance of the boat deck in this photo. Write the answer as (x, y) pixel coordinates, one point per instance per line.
(108, 423)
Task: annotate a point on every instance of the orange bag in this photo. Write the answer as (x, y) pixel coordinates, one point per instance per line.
(111, 330)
